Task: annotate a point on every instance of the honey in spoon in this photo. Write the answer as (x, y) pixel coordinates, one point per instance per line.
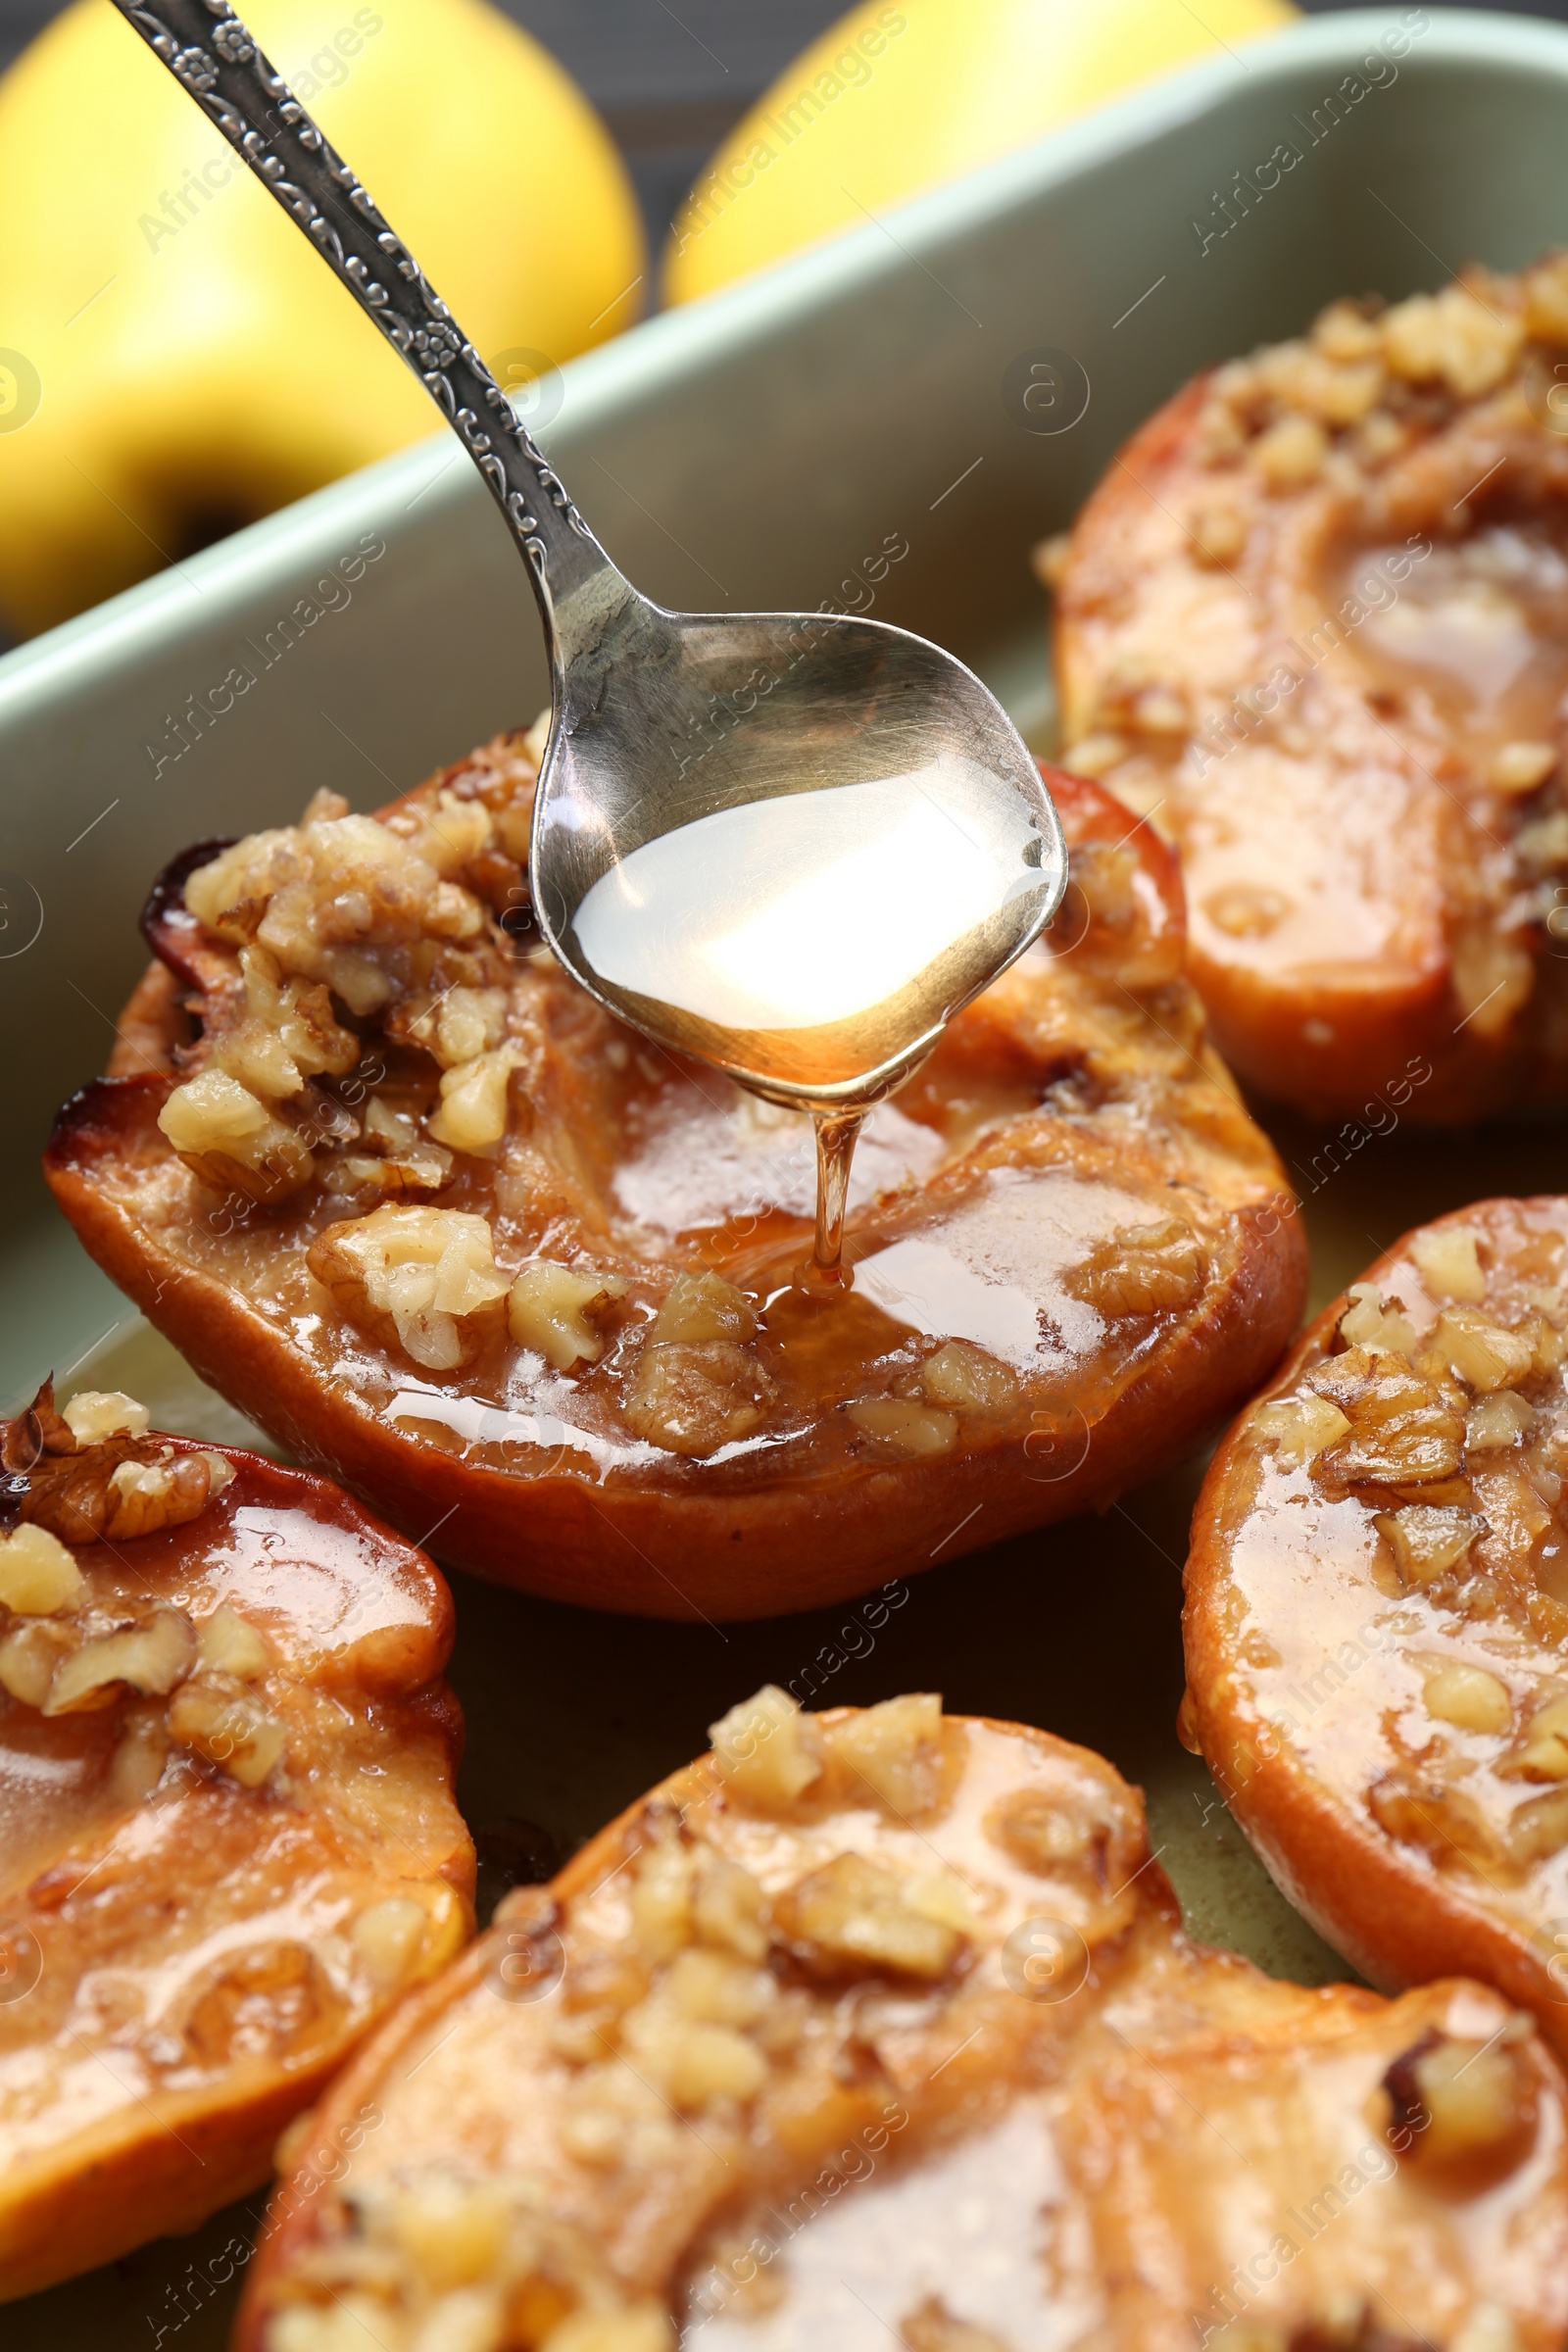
(815, 943)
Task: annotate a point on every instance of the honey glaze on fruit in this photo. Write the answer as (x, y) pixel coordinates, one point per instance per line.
(362, 1096)
(218, 1706)
(879, 2027)
(1398, 1559)
(816, 943)
(1468, 642)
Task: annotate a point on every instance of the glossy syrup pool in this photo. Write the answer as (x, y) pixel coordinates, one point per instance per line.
(1479, 628)
(816, 943)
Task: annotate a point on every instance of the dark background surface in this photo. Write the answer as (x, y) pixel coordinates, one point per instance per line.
(670, 81)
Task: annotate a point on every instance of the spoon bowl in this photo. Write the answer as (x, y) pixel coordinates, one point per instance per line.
(793, 844)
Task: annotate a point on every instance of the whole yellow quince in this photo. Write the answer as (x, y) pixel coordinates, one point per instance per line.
(174, 360)
(897, 99)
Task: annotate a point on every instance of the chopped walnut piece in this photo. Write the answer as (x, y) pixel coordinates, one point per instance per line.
(898, 1751)
(967, 1380)
(767, 1751)
(232, 1141)
(1542, 1753)
(1480, 1350)
(228, 1644)
(616, 2120)
(1520, 768)
(905, 1426)
(1367, 1323)
(703, 1307)
(1300, 1427)
(1428, 1538)
(1044, 1836)
(140, 1754)
(144, 1497)
(93, 1414)
(151, 1657)
(693, 1400)
(1536, 1831)
(397, 1157)
(1467, 2107)
(1426, 1810)
(423, 1278)
(1496, 1422)
(452, 834)
(730, 1909)
(28, 1656)
(1143, 1270)
(686, 2037)
(1448, 1261)
(662, 1894)
(1247, 909)
(348, 2323)
(1219, 535)
(1468, 1698)
(1093, 754)
(225, 1722)
(1290, 454)
(287, 1033)
(1344, 331)
(39, 1577)
(854, 1916)
(555, 1309)
(339, 901)
(1453, 337)
(1404, 1430)
(474, 1102)
(387, 1935)
(453, 2230)
(121, 1489)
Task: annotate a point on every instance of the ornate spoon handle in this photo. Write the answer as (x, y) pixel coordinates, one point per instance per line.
(208, 49)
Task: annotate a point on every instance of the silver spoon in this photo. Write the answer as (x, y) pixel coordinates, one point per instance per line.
(791, 843)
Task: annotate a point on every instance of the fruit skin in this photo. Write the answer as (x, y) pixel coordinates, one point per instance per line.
(892, 100)
(192, 377)
(1377, 1903)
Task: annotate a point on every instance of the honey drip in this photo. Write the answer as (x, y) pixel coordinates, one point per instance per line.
(816, 943)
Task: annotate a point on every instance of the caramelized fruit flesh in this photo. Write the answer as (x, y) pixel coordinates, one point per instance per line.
(403, 1190)
(1316, 618)
(880, 2026)
(1377, 1619)
(225, 1775)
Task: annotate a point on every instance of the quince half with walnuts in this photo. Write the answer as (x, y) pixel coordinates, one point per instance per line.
(226, 1757)
(401, 1189)
(878, 2028)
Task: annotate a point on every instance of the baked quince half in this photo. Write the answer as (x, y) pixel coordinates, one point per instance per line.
(1377, 1611)
(398, 1187)
(878, 2026)
(229, 1841)
(1316, 616)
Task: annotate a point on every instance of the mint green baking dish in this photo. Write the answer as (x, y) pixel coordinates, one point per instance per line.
(868, 393)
